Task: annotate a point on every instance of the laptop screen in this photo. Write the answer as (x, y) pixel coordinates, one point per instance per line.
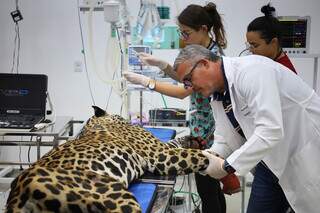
(23, 94)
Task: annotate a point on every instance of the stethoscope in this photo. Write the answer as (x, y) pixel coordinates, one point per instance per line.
(244, 52)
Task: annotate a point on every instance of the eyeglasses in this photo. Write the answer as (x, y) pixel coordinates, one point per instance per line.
(187, 83)
(184, 34)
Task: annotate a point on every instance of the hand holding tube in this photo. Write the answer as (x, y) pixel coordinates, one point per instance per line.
(152, 61)
(136, 78)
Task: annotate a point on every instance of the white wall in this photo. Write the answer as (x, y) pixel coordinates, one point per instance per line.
(50, 44)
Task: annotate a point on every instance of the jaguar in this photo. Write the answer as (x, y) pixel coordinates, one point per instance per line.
(92, 172)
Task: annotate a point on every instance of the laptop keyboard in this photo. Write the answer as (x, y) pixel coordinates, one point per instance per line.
(20, 122)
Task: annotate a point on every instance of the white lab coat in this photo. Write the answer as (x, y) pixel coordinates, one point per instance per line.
(280, 117)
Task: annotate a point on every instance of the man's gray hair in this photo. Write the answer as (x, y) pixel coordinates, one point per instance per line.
(193, 53)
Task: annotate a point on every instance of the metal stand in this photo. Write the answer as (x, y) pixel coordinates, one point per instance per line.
(243, 193)
(61, 130)
(190, 191)
(141, 107)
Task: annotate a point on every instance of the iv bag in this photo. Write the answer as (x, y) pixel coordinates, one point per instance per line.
(148, 22)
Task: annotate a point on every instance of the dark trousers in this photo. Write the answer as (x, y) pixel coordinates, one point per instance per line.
(266, 193)
(212, 197)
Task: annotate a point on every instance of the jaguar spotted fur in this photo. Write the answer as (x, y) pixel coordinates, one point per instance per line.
(92, 173)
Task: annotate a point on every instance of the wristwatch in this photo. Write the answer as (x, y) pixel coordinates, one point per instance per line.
(228, 168)
(152, 84)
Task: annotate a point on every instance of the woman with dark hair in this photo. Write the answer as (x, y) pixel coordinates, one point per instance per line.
(264, 37)
(200, 25)
(205, 29)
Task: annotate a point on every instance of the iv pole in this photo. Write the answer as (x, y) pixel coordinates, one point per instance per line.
(116, 13)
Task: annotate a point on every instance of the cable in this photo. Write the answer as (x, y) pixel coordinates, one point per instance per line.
(111, 82)
(183, 180)
(29, 151)
(114, 83)
(14, 57)
(243, 51)
(16, 44)
(197, 206)
(84, 54)
(18, 55)
(120, 46)
(108, 99)
(193, 196)
(121, 62)
(20, 155)
(113, 76)
(29, 148)
(164, 101)
(124, 89)
(17, 7)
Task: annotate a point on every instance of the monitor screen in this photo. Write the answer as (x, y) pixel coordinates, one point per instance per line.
(22, 93)
(134, 50)
(295, 33)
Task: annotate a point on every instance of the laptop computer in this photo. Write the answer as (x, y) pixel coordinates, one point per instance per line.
(22, 101)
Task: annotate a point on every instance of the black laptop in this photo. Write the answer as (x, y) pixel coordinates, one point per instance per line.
(22, 101)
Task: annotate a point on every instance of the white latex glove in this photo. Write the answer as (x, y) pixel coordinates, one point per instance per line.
(152, 61)
(210, 151)
(215, 167)
(137, 78)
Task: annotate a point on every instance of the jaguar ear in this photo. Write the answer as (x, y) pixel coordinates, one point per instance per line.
(98, 112)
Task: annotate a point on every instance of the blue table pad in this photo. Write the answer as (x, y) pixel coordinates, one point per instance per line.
(162, 134)
(145, 194)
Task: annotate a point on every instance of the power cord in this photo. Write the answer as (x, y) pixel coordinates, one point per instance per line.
(47, 121)
(196, 202)
(246, 50)
(21, 168)
(178, 200)
(84, 54)
(29, 149)
(16, 16)
(164, 101)
(183, 181)
(114, 27)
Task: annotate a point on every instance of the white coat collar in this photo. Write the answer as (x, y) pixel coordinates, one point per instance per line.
(229, 71)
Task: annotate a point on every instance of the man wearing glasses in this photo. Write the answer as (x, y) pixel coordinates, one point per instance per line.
(278, 117)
